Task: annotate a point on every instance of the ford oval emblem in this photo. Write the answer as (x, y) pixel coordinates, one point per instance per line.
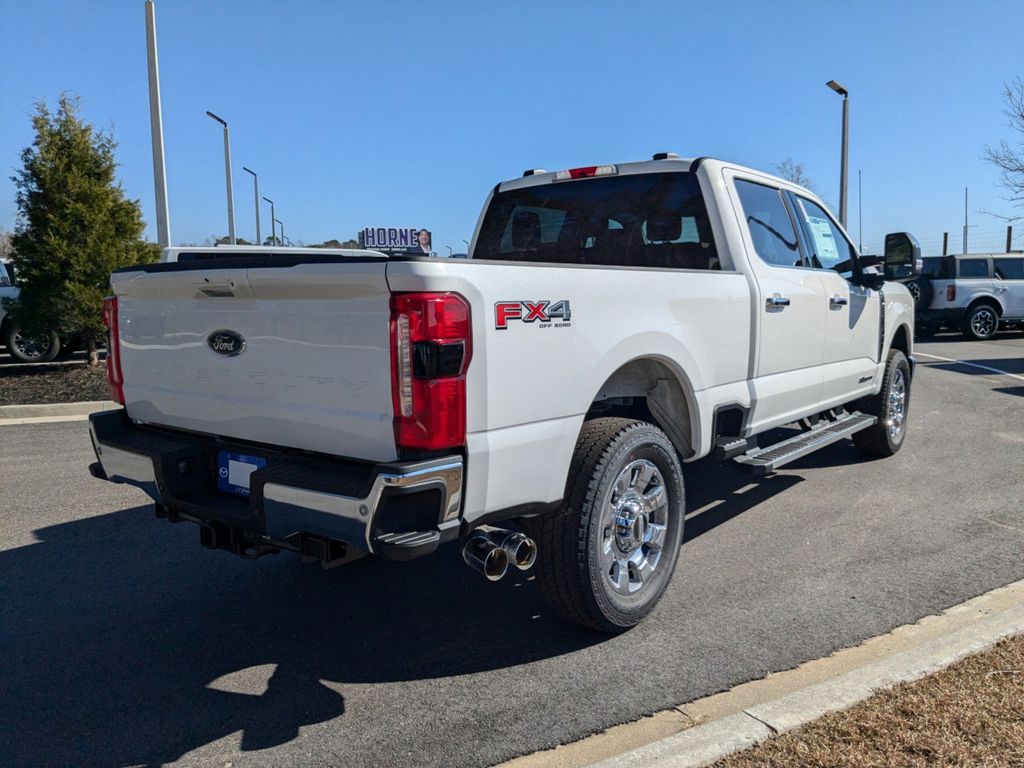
(227, 343)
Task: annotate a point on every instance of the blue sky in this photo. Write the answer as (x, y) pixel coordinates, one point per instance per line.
(406, 113)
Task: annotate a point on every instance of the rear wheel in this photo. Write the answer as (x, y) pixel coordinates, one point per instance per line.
(891, 405)
(25, 348)
(607, 555)
(982, 322)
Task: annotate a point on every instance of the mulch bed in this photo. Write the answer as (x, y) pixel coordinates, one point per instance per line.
(970, 714)
(46, 383)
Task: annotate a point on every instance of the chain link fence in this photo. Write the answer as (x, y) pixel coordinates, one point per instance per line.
(994, 241)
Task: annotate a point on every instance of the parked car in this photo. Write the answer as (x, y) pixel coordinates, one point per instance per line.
(24, 347)
(535, 400)
(977, 294)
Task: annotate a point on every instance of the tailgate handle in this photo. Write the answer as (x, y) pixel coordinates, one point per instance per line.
(217, 290)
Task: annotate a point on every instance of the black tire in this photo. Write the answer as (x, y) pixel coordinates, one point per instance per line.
(26, 349)
(887, 435)
(981, 322)
(575, 542)
(921, 291)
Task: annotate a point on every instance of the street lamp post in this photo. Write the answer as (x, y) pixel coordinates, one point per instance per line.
(273, 235)
(845, 149)
(156, 126)
(227, 174)
(282, 230)
(256, 197)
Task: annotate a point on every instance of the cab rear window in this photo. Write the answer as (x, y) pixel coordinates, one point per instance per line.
(656, 220)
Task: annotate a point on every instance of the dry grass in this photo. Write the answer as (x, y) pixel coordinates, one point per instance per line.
(970, 714)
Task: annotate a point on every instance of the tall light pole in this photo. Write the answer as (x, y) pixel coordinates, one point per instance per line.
(282, 230)
(273, 234)
(846, 140)
(256, 197)
(156, 126)
(227, 174)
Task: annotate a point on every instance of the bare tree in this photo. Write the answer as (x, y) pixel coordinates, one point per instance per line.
(1007, 157)
(6, 248)
(794, 172)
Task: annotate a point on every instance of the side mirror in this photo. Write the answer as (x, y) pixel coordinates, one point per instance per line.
(902, 259)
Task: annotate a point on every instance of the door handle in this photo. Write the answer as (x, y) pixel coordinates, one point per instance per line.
(776, 302)
(837, 301)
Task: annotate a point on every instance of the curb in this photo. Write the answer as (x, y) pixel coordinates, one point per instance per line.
(50, 411)
(704, 744)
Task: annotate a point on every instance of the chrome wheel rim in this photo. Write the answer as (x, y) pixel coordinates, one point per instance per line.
(31, 346)
(983, 322)
(896, 410)
(634, 524)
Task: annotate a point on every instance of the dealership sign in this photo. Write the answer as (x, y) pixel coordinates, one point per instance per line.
(396, 239)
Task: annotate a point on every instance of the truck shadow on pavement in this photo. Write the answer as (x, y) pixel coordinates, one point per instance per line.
(112, 629)
(116, 630)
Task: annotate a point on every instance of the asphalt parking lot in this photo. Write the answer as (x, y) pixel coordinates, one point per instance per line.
(123, 642)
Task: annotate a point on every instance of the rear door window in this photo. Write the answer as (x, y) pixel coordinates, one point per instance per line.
(1008, 269)
(974, 268)
(769, 224)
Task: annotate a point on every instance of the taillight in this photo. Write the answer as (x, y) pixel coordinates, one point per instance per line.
(115, 380)
(951, 292)
(430, 351)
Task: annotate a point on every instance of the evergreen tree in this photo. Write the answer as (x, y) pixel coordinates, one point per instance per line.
(74, 226)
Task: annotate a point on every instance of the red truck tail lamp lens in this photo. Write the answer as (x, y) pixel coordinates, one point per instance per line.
(951, 292)
(115, 379)
(430, 351)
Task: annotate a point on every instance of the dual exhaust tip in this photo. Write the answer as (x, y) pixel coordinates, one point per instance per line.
(491, 552)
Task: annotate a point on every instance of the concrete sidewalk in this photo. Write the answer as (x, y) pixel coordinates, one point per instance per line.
(700, 732)
(50, 412)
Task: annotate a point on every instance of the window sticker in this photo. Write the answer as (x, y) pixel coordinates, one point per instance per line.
(824, 242)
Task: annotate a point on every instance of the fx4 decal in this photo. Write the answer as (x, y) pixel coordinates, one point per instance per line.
(544, 312)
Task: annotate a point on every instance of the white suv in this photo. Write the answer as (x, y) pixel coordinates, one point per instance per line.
(976, 293)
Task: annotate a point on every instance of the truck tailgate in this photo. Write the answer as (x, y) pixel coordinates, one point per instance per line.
(315, 370)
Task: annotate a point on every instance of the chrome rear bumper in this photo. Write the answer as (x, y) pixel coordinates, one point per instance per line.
(368, 507)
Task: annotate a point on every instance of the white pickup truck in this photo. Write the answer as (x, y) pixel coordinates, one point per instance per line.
(535, 400)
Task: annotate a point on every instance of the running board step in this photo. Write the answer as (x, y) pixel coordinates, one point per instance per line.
(764, 461)
(406, 545)
(727, 447)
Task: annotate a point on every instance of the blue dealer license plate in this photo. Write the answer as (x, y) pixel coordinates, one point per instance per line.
(233, 470)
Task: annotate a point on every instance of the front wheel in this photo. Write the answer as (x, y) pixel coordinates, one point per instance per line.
(607, 555)
(40, 348)
(891, 405)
